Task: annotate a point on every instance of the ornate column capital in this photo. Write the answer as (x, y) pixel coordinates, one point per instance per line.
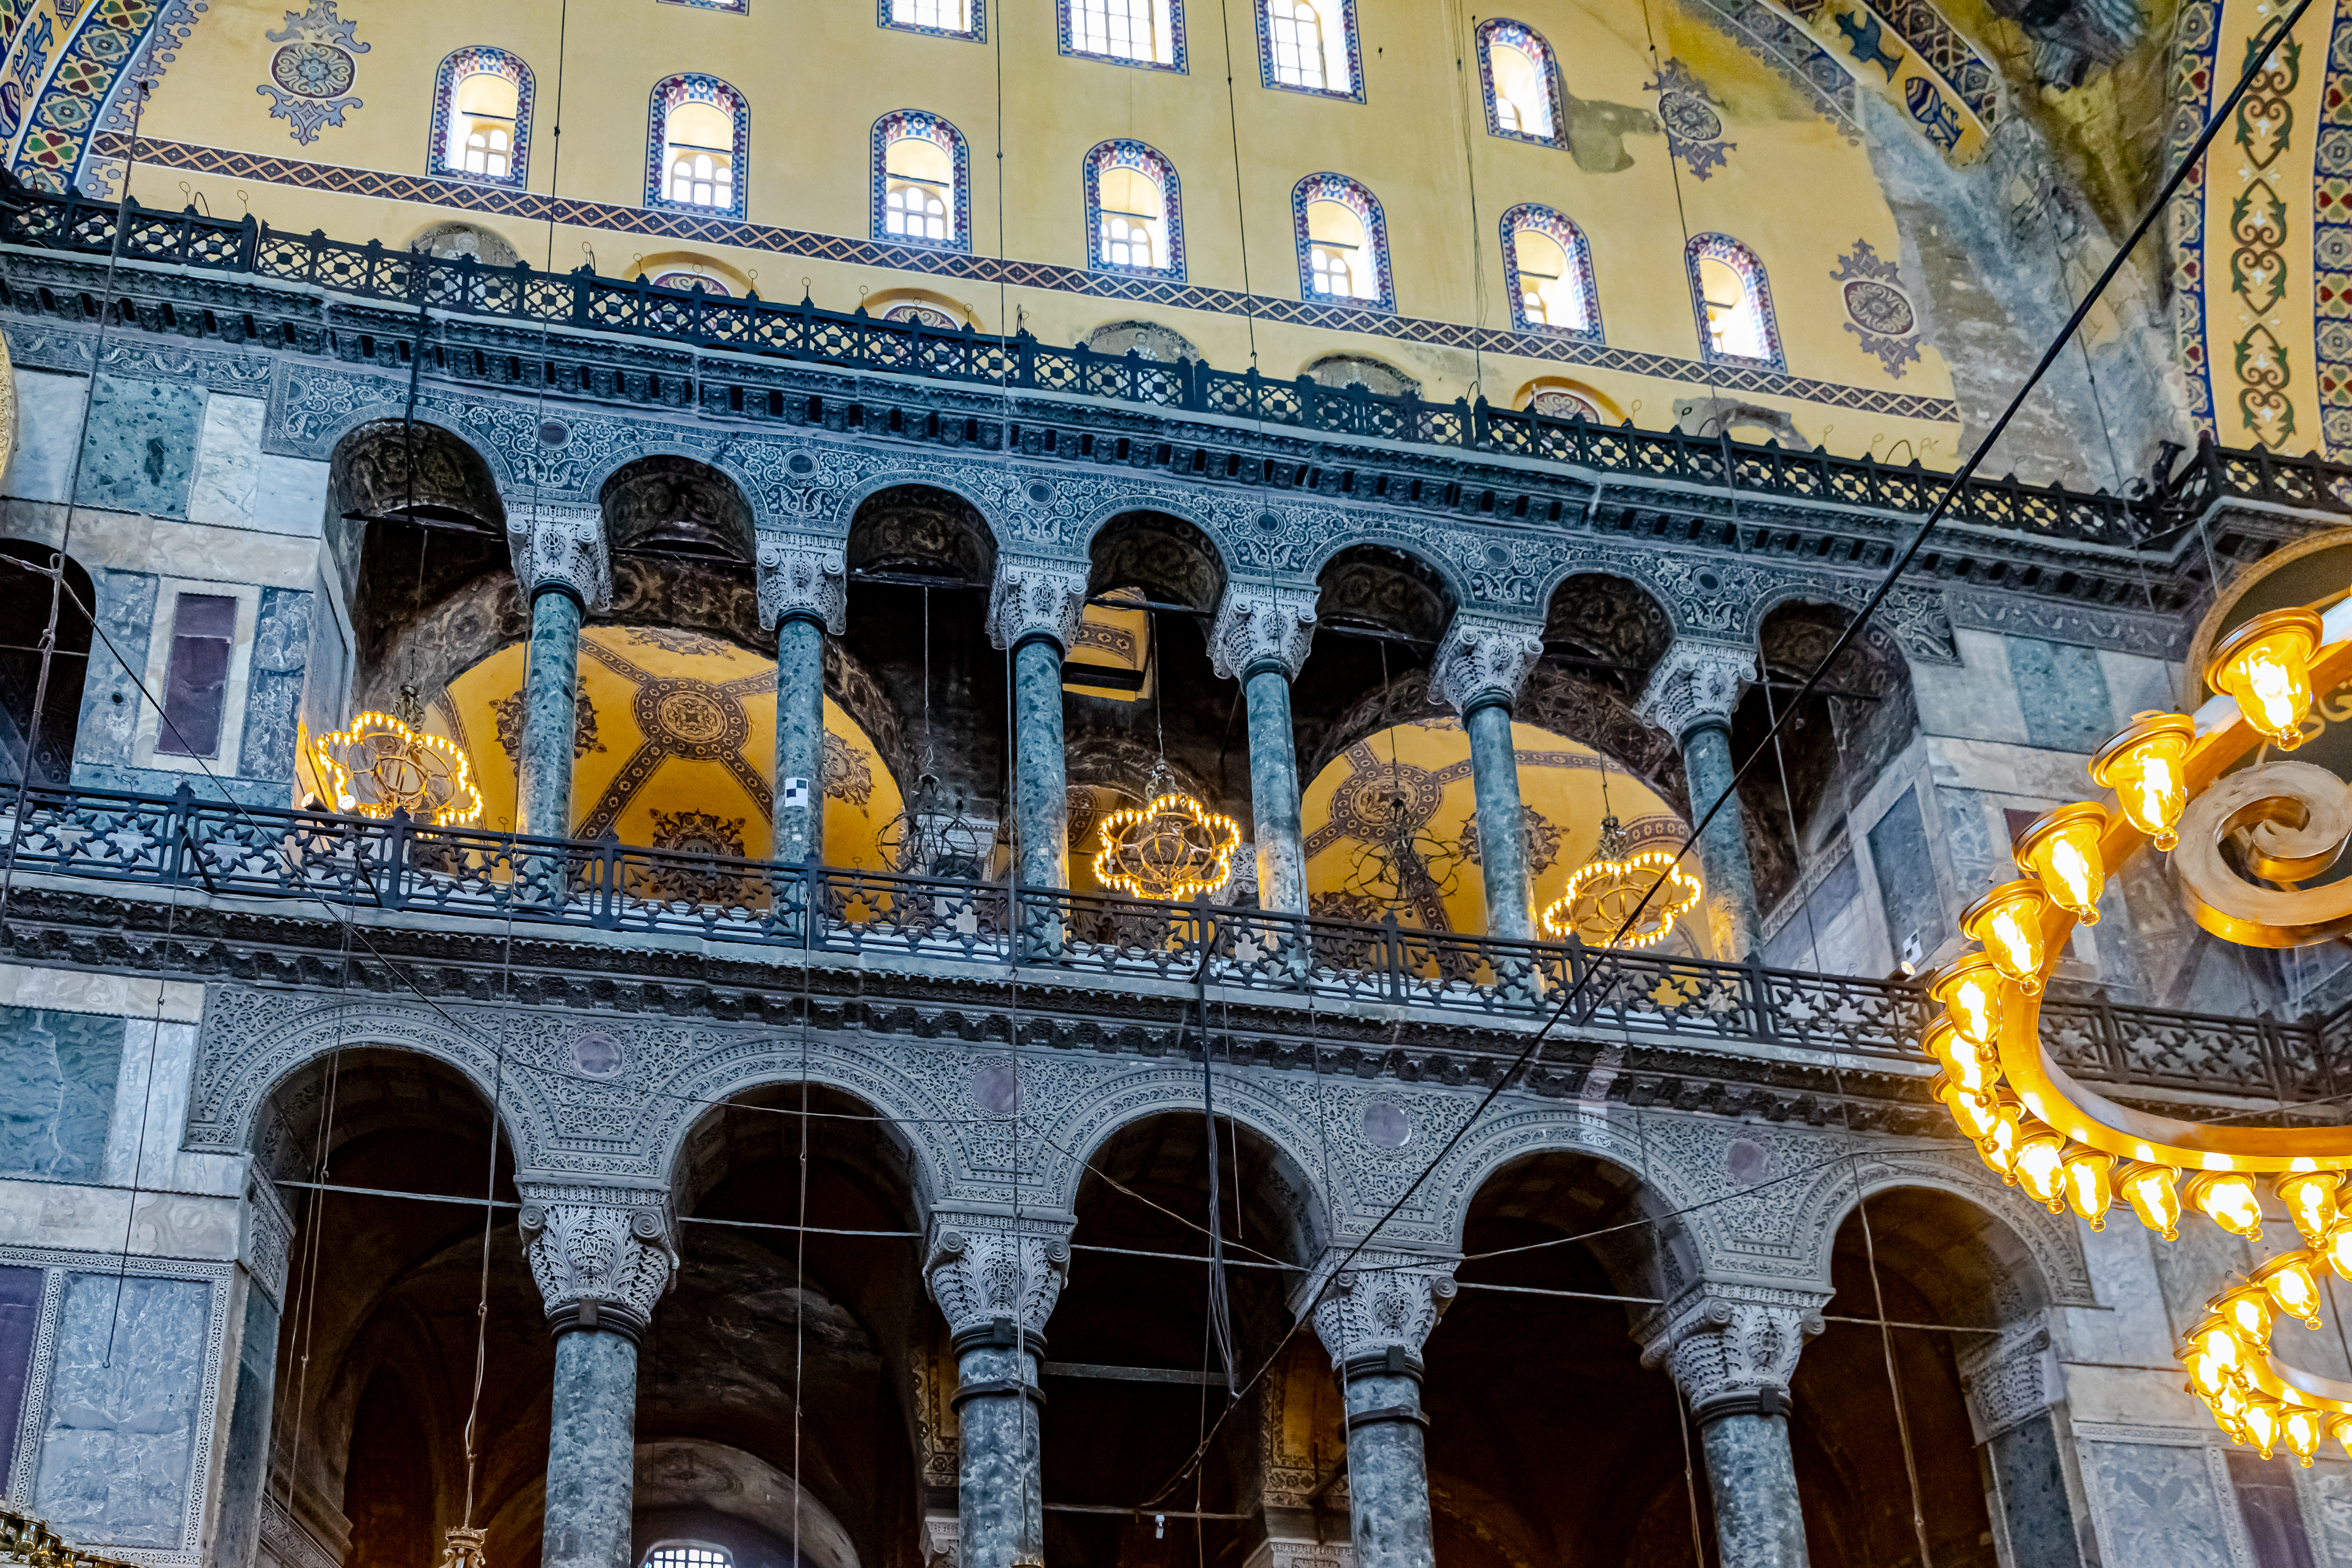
(1483, 660)
(1696, 681)
(602, 1257)
(1381, 1308)
(1261, 625)
(1036, 596)
(803, 577)
(2010, 1377)
(983, 1270)
(562, 545)
(1731, 1349)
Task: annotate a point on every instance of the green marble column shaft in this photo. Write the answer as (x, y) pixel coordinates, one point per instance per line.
(1502, 836)
(1723, 848)
(591, 1451)
(1041, 818)
(800, 738)
(1274, 794)
(551, 716)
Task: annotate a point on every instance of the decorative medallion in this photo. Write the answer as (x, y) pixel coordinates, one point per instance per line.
(311, 74)
(1878, 311)
(699, 833)
(1542, 841)
(844, 772)
(1693, 127)
(506, 713)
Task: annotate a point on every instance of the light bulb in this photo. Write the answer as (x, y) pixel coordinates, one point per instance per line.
(2144, 764)
(1963, 1063)
(2302, 1431)
(2089, 1188)
(2266, 665)
(2151, 1191)
(2208, 1373)
(2286, 1280)
(2310, 1199)
(2338, 1247)
(2041, 1166)
(2247, 1312)
(2261, 1420)
(1972, 993)
(2008, 920)
(2230, 1409)
(2062, 848)
(2214, 1338)
(2228, 1199)
(1999, 1145)
(1974, 1112)
(2340, 1428)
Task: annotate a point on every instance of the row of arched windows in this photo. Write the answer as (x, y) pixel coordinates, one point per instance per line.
(697, 145)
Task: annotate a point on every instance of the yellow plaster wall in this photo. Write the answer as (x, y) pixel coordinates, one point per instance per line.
(816, 78)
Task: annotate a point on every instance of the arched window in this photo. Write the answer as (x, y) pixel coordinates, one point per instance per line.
(689, 1554)
(679, 278)
(1148, 33)
(1734, 304)
(1548, 267)
(940, 19)
(921, 181)
(1310, 46)
(1343, 243)
(1559, 403)
(1133, 211)
(481, 118)
(1521, 82)
(697, 146)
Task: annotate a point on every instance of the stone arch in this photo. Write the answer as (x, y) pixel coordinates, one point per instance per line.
(1161, 549)
(1389, 584)
(953, 483)
(48, 756)
(1608, 623)
(2045, 1243)
(665, 505)
(648, 449)
(1663, 1187)
(900, 523)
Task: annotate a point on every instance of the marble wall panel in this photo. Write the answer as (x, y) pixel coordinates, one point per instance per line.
(246, 1463)
(139, 453)
(20, 1323)
(54, 1214)
(2063, 693)
(1974, 831)
(1808, 932)
(273, 693)
(2328, 1509)
(2136, 683)
(58, 1075)
(2156, 1506)
(125, 1388)
(2131, 1328)
(1976, 699)
(109, 695)
(1906, 875)
(290, 496)
(90, 991)
(142, 1147)
(228, 458)
(48, 422)
(2031, 1482)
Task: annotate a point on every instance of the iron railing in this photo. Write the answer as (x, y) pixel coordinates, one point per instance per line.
(855, 341)
(356, 863)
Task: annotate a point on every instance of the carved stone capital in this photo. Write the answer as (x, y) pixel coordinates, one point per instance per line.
(981, 1269)
(599, 1264)
(1694, 681)
(799, 578)
(1259, 626)
(1033, 598)
(1731, 1349)
(1384, 1302)
(2009, 1378)
(560, 546)
(1483, 660)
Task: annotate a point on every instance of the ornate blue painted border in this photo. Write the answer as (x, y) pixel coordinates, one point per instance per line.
(1360, 201)
(1744, 261)
(469, 61)
(1122, 153)
(896, 125)
(1181, 65)
(158, 45)
(693, 87)
(1347, 9)
(2199, 32)
(738, 7)
(1572, 242)
(1527, 41)
(978, 9)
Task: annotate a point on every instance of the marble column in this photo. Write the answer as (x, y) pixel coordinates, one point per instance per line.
(1374, 1320)
(1477, 672)
(804, 593)
(1690, 695)
(1260, 637)
(1731, 1350)
(997, 1282)
(1034, 606)
(600, 1265)
(561, 560)
(2016, 1394)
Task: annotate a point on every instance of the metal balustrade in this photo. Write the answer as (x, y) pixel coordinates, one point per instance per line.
(350, 863)
(855, 341)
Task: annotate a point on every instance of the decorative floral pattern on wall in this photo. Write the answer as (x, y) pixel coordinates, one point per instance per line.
(1877, 309)
(1693, 125)
(311, 74)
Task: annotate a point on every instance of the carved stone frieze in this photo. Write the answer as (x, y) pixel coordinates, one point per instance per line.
(1381, 1301)
(2010, 1377)
(561, 545)
(1484, 659)
(1693, 682)
(803, 577)
(1260, 625)
(1731, 1346)
(1035, 597)
(981, 1268)
(597, 1263)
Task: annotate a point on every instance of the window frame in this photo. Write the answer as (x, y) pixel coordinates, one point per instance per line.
(1178, 62)
(1125, 152)
(1562, 231)
(1757, 280)
(1358, 198)
(227, 759)
(738, 112)
(725, 1557)
(1354, 49)
(890, 129)
(1549, 64)
(977, 10)
(454, 69)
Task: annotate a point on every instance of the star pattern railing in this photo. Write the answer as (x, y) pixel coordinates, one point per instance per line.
(1020, 363)
(355, 863)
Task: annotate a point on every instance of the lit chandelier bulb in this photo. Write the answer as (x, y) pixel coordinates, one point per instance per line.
(2041, 1166)
(2090, 1189)
(2287, 1280)
(2338, 1245)
(2246, 1312)
(2261, 1420)
(2062, 848)
(1964, 1064)
(2266, 665)
(2008, 920)
(1973, 1113)
(2153, 1197)
(1972, 993)
(2228, 1200)
(2310, 1199)
(2144, 764)
(2303, 1432)
(1999, 1145)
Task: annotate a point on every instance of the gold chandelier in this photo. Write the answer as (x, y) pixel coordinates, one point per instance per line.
(1609, 887)
(1173, 847)
(2173, 784)
(384, 763)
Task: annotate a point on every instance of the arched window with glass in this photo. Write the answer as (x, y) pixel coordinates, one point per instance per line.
(1134, 214)
(1522, 83)
(1547, 268)
(1147, 33)
(698, 146)
(481, 118)
(1310, 46)
(922, 181)
(1733, 302)
(940, 18)
(687, 1554)
(1343, 243)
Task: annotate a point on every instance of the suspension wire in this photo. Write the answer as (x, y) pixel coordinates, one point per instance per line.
(1457, 25)
(1241, 205)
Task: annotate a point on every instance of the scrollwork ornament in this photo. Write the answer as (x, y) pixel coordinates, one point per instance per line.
(1729, 1346)
(561, 547)
(2292, 820)
(1382, 1300)
(1695, 683)
(1260, 625)
(1033, 598)
(803, 577)
(979, 1273)
(1484, 659)
(617, 1257)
